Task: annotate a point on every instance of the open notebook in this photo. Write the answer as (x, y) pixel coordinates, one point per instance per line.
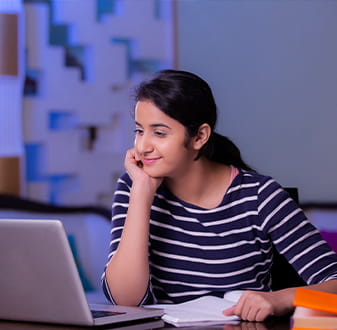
(201, 312)
(39, 281)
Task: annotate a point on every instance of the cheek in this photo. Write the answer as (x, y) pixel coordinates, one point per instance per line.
(177, 155)
(171, 150)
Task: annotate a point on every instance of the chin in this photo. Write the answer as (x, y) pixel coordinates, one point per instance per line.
(154, 174)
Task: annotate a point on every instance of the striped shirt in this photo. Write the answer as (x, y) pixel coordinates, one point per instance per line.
(195, 251)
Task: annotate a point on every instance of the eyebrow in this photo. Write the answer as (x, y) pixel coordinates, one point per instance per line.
(155, 125)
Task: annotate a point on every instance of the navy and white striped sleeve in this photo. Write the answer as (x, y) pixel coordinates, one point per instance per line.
(294, 236)
(120, 207)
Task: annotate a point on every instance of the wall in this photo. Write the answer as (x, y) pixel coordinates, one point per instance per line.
(11, 82)
(272, 66)
(83, 60)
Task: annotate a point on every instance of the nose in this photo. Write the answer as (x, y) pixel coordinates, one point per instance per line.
(143, 144)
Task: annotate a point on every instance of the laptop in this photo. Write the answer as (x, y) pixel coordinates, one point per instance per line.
(39, 281)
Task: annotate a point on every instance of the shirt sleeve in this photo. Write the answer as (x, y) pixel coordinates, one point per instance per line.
(119, 211)
(294, 236)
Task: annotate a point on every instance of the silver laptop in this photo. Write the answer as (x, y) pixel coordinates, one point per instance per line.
(39, 281)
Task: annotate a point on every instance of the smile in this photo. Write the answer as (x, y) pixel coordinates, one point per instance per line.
(149, 161)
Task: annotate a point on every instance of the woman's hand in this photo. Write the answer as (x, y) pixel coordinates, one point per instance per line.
(257, 306)
(135, 169)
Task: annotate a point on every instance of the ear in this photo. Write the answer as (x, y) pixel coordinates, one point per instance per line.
(204, 132)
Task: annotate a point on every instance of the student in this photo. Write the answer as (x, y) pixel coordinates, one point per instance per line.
(191, 218)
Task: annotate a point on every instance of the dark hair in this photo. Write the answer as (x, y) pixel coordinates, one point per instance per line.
(188, 99)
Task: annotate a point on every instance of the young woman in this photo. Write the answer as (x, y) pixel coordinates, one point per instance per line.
(190, 218)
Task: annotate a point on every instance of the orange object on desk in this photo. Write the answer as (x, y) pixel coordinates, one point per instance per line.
(315, 310)
(318, 300)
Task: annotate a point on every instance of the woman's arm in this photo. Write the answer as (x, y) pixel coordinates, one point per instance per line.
(257, 306)
(303, 247)
(127, 272)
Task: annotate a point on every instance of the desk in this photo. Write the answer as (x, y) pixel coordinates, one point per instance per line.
(276, 324)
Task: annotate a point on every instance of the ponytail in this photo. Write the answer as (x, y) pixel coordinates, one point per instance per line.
(222, 150)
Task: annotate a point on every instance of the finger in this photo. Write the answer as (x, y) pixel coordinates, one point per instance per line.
(229, 311)
(239, 307)
(137, 156)
(263, 313)
(247, 313)
(252, 314)
(131, 156)
(244, 309)
(260, 316)
(129, 153)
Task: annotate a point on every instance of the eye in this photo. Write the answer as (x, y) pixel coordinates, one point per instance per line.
(138, 131)
(160, 133)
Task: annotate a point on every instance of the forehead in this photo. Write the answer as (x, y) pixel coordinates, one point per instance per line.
(147, 113)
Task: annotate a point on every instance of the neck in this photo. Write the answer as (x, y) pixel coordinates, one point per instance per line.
(204, 184)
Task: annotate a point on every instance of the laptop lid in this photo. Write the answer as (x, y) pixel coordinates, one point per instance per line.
(39, 281)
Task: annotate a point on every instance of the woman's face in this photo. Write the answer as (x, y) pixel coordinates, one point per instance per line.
(160, 142)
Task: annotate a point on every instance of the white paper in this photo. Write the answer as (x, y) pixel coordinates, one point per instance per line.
(206, 310)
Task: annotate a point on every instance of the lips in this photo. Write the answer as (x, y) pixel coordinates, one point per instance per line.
(150, 161)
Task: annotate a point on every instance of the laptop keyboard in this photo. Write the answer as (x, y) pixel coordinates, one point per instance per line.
(97, 314)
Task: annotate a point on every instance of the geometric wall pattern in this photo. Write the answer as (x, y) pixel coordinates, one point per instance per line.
(83, 59)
